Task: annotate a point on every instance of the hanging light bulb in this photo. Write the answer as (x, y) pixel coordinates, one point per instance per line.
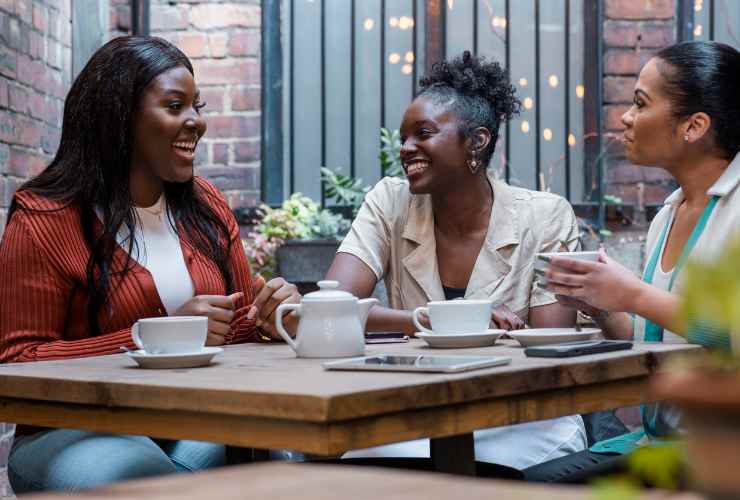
(571, 140)
(525, 126)
(528, 103)
(394, 58)
(580, 91)
(523, 82)
(547, 134)
(368, 24)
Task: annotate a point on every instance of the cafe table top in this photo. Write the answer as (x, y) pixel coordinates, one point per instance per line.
(278, 481)
(262, 396)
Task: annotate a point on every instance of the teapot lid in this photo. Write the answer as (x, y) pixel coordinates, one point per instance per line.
(328, 290)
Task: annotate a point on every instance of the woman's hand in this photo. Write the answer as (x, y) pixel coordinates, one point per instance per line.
(605, 285)
(218, 308)
(269, 296)
(502, 317)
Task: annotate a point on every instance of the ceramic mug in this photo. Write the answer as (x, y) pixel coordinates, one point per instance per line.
(170, 334)
(542, 261)
(454, 317)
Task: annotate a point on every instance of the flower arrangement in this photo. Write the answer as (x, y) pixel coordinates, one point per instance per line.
(298, 218)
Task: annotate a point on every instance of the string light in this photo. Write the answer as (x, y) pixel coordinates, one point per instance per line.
(405, 23)
(450, 4)
(580, 91)
(393, 21)
(409, 58)
(406, 69)
(525, 126)
(528, 103)
(697, 30)
(698, 4)
(553, 81)
(394, 58)
(368, 24)
(523, 82)
(571, 140)
(498, 22)
(547, 134)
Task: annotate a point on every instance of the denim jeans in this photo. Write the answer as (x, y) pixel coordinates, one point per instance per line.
(72, 460)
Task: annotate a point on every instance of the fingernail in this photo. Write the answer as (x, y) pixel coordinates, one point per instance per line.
(252, 312)
(544, 257)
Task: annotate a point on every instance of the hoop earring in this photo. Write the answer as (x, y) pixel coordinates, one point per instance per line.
(473, 163)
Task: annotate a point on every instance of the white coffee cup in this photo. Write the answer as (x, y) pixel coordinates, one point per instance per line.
(454, 317)
(541, 264)
(170, 334)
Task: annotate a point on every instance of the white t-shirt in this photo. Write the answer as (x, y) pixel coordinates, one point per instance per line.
(157, 249)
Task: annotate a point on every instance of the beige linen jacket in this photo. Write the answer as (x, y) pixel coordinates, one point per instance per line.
(393, 234)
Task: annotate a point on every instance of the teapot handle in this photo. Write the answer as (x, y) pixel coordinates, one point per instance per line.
(279, 324)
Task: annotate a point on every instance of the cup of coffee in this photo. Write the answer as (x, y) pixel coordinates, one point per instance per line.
(543, 260)
(455, 317)
(170, 334)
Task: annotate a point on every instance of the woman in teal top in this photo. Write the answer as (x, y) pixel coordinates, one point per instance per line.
(684, 119)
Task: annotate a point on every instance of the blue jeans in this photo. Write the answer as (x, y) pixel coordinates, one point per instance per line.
(71, 460)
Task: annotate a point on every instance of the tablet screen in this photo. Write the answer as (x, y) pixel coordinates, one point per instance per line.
(422, 362)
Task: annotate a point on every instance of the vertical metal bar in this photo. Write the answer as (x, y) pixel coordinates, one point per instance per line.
(685, 20)
(271, 184)
(140, 18)
(592, 113)
(352, 91)
(382, 63)
(711, 19)
(508, 68)
(475, 27)
(292, 96)
(567, 99)
(323, 92)
(434, 37)
(414, 13)
(537, 103)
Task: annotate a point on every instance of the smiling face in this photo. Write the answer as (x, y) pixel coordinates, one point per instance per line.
(652, 135)
(433, 153)
(168, 127)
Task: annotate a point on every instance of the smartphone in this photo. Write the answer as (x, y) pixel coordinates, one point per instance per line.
(386, 338)
(580, 348)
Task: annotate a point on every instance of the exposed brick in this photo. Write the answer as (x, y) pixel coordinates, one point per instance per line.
(37, 106)
(613, 116)
(24, 10)
(25, 164)
(7, 6)
(217, 44)
(8, 128)
(212, 16)
(233, 126)
(36, 45)
(226, 178)
(220, 153)
(193, 44)
(65, 32)
(646, 9)
(642, 34)
(28, 132)
(54, 54)
(4, 158)
(123, 18)
(14, 34)
(619, 88)
(3, 93)
(245, 152)
(201, 154)
(8, 186)
(54, 20)
(18, 98)
(213, 97)
(625, 173)
(654, 194)
(40, 19)
(166, 17)
(626, 62)
(245, 99)
(244, 43)
(241, 199)
(210, 72)
(50, 138)
(8, 62)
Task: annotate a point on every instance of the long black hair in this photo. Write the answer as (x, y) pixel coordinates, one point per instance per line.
(705, 77)
(92, 165)
(478, 92)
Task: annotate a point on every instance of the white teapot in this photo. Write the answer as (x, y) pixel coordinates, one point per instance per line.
(331, 325)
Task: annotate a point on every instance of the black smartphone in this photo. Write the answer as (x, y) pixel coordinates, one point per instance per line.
(385, 338)
(580, 348)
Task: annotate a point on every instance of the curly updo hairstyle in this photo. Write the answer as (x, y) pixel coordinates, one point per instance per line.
(479, 93)
(705, 77)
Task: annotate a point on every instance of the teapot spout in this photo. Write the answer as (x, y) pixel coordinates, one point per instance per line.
(365, 305)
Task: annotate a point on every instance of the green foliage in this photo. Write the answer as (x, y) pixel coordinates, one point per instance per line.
(661, 465)
(347, 191)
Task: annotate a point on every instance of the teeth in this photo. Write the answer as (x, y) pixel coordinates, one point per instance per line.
(417, 166)
(190, 146)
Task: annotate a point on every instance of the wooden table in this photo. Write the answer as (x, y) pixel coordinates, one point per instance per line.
(262, 396)
(332, 482)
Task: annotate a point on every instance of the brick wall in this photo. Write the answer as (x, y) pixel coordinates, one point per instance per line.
(35, 73)
(633, 31)
(222, 39)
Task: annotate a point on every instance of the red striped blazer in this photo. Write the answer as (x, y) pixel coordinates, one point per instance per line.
(43, 294)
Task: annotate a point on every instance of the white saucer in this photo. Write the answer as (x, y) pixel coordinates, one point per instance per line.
(545, 336)
(461, 340)
(180, 360)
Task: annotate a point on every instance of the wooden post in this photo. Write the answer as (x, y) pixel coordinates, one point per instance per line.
(435, 33)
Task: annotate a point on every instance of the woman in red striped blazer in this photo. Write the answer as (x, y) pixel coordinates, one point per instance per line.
(115, 229)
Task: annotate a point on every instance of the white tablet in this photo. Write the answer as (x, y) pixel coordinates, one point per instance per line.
(418, 363)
